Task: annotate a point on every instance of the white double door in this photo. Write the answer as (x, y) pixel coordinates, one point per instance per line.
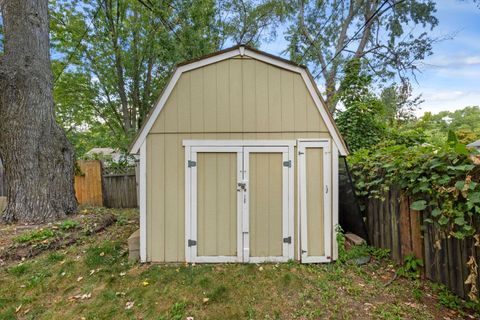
(239, 203)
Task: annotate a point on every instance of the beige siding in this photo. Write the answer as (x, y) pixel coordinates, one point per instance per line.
(315, 201)
(265, 207)
(236, 99)
(217, 204)
(239, 95)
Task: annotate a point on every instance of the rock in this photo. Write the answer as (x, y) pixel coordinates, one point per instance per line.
(134, 246)
(354, 239)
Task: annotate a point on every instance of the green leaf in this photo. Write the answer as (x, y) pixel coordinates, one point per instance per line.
(443, 221)
(419, 205)
(436, 212)
(474, 197)
(460, 221)
(459, 185)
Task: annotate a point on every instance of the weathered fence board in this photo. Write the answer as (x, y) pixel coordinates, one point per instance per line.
(120, 191)
(88, 187)
(391, 224)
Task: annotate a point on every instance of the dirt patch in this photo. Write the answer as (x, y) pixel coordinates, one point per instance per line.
(18, 242)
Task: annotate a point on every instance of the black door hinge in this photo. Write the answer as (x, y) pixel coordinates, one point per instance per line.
(192, 163)
(287, 240)
(192, 243)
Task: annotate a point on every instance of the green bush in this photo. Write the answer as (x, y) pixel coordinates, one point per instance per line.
(441, 178)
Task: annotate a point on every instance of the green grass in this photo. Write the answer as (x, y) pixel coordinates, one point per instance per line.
(36, 236)
(51, 286)
(69, 225)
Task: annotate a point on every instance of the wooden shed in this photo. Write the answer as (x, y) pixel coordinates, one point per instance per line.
(239, 163)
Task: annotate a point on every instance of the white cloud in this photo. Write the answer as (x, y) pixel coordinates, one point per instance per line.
(446, 100)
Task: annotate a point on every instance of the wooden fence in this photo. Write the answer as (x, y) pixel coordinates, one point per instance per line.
(391, 224)
(88, 185)
(120, 190)
(96, 186)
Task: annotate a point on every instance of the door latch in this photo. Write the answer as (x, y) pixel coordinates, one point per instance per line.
(242, 186)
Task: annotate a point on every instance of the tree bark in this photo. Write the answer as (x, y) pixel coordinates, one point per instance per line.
(38, 159)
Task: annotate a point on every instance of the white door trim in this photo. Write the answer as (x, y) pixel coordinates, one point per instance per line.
(302, 186)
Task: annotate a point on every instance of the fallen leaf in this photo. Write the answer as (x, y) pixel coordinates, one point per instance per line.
(260, 269)
(129, 305)
(18, 308)
(122, 274)
(26, 311)
(92, 272)
(79, 279)
(120, 294)
(190, 318)
(102, 254)
(205, 300)
(145, 283)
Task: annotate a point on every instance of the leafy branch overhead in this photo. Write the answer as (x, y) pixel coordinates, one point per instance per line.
(392, 35)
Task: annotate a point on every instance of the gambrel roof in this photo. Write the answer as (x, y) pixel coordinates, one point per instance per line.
(229, 53)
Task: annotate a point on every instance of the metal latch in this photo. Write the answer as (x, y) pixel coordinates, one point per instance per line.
(287, 240)
(242, 185)
(192, 243)
(192, 163)
(287, 163)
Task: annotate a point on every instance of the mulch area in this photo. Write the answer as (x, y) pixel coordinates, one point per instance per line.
(89, 222)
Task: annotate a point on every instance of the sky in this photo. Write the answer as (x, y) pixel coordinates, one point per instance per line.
(450, 78)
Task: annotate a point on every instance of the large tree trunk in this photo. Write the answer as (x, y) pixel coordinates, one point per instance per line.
(38, 159)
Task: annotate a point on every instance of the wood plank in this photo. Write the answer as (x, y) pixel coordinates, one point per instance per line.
(416, 233)
(427, 245)
(405, 235)
(394, 200)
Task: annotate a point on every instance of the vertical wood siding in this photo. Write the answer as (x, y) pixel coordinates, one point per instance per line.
(217, 204)
(265, 207)
(315, 192)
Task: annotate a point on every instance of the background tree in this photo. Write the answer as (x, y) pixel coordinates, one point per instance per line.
(392, 35)
(361, 122)
(113, 57)
(38, 159)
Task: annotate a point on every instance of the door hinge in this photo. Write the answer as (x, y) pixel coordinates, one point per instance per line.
(192, 163)
(192, 243)
(300, 153)
(287, 240)
(304, 251)
(287, 163)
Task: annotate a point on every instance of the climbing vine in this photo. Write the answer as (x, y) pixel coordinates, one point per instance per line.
(443, 178)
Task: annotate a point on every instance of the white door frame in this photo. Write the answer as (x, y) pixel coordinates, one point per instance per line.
(302, 186)
(191, 252)
(242, 149)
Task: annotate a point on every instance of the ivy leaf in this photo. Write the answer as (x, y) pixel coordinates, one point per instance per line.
(460, 221)
(474, 197)
(436, 212)
(459, 185)
(443, 221)
(419, 205)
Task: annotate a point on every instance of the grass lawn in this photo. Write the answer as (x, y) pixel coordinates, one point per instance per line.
(93, 279)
